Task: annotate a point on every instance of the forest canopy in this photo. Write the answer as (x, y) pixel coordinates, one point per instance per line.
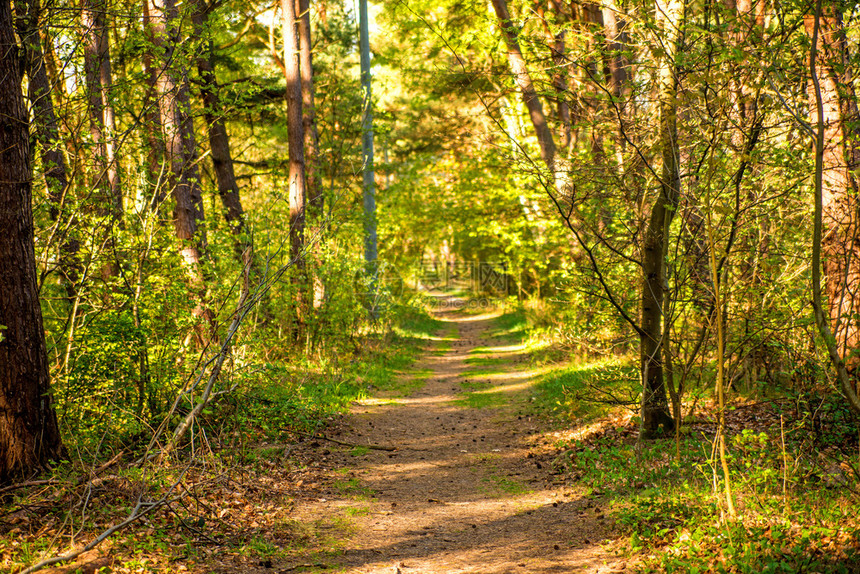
(220, 217)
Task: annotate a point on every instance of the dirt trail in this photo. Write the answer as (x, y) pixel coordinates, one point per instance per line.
(468, 489)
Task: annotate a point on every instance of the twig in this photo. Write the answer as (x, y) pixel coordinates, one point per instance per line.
(297, 566)
(29, 483)
(96, 471)
(205, 399)
(140, 510)
(370, 446)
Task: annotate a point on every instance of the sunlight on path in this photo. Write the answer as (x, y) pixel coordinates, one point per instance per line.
(468, 489)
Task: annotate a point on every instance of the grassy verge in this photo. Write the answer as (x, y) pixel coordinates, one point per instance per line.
(229, 486)
(794, 514)
(795, 471)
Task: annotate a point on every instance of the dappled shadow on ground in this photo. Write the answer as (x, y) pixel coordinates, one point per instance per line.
(468, 489)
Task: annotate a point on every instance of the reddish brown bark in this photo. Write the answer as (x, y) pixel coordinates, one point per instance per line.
(524, 83)
(309, 119)
(316, 198)
(556, 43)
(618, 62)
(177, 130)
(296, 141)
(841, 238)
(180, 148)
(97, 68)
(219, 140)
(50, 143)
(155, 151)
(39, 94)
(29, 434)
(295, 125)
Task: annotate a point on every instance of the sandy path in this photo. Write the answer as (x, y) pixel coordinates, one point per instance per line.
(468, 489)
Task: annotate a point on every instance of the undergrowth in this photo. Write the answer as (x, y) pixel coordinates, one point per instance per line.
(793, 464)
(200, 492)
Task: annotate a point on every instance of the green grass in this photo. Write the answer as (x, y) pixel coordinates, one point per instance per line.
(356, 511)
(403, 384)
(299, 396)
(359, 451)
(507, 485)
(472, 384)
(445, 345)
(510, 326)
(480, 350)
(669, 512)
(581, 390)
(486, 361)
(414, 322)
(484, 400)
(352, 487)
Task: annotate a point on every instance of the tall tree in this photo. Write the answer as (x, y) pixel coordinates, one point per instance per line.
(556, 43)
(29, 434)
(295, 127)
(180, 147)
(316, 198)
(655, 247)
(834, 112)
(219, 140)
(370, 248)
(527, 90)
(654, 406)
(47, 134)
(99, 81)
(309, 120)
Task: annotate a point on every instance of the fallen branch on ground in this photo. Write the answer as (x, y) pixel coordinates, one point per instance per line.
(353, 445)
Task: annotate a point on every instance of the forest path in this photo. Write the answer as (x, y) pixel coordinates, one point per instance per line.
(470, 487)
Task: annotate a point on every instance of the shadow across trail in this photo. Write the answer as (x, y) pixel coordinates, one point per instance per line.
(468, 488)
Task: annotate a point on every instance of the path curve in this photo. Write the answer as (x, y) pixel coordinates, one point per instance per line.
(468, 489)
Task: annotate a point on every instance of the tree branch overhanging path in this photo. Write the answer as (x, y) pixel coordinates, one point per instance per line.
(651, 324)
(257, 316)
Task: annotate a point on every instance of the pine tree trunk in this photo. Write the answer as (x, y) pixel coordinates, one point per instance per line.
(841, 237)
(180, 148)
(29, 434)
(295, 126)
(316, 198)
(50, 143)
(219, 141)
(524, 83)
(97, 68)
(309, 121)
(654, 286)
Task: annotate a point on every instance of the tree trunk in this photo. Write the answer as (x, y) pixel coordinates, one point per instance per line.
(655, 408)
(841, 157)
(620, 81)
(29, 434)
(368, 184)
(50, 143)
(180, 147)
(524, 83)
(179, 142)
(155, 150)
(295, 127)
(219, 141)
(556, 43)
(309, 120)
(97, 68)
(316, 198)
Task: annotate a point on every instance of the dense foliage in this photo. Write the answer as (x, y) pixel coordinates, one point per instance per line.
(680, 173)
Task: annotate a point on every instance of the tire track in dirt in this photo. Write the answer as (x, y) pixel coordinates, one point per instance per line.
(468, 489)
